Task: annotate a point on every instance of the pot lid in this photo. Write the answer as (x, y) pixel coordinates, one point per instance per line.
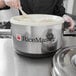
(65, 60)
(37, 19)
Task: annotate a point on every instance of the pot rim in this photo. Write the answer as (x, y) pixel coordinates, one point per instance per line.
(59, 62)
(58, 20)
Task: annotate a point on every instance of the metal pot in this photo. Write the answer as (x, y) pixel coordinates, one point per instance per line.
(37, 33)
(65, 62)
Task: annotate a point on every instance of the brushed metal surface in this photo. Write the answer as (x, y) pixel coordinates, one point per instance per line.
(12, 64)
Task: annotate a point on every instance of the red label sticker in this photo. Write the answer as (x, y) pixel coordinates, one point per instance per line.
(18, 37)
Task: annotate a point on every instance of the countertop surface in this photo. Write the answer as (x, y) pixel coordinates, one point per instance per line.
(13, 65)
(6, 58)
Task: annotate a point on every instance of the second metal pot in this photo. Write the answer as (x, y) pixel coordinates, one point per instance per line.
(64, 62)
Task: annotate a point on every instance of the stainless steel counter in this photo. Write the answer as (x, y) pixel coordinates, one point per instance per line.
(12, 64)
(6, 58)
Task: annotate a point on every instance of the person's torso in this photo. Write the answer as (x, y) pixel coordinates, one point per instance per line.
(38, 6)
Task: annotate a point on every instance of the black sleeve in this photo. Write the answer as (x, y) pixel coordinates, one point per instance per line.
(59, 8)
(5, 8)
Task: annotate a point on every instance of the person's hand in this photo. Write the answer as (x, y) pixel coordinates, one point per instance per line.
(2, 4)
(13, 3)
(70, 20)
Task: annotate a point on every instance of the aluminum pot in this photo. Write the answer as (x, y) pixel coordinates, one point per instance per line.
(65, 62)
(37, 33)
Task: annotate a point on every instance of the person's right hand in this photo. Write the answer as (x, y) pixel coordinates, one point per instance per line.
(2, 4)
(13, 3)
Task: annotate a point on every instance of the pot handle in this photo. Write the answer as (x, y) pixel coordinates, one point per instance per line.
(69, 33)
(66, 25)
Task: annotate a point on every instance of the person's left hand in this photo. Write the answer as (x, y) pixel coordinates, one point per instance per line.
(70, 20)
